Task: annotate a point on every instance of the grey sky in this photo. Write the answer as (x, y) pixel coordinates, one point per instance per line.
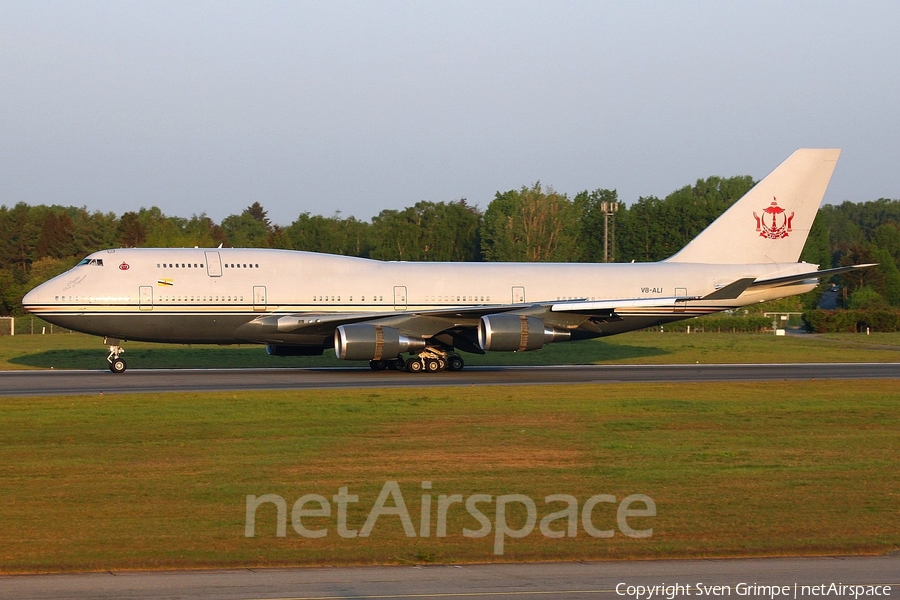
(355, 107)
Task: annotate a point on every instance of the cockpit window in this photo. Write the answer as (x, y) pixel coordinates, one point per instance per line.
(98, 262)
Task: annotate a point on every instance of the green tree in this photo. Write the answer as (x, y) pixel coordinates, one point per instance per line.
(131, 232)
(20, 237)
(428, 231)
(530, 225)
(92, 231)
(250, 229)
(655, 229)
(865, 298)
(203, 232)
(332, 235)
(258, 213)
(887, 237)
(592, 222)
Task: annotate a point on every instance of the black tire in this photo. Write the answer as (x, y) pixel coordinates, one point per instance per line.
(118, 365)
(432, 365)
(397, 364)
(455, 363)
(414, 365)
(377, 365)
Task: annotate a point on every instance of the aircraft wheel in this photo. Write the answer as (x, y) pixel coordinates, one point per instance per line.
(443, 363)
(377, 365)
(432, 365)
(456, 363)
(118, 365)
(397, 364)
(414, 365)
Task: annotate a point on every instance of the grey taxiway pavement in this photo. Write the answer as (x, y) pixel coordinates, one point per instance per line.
(30, 383)
(879, 575)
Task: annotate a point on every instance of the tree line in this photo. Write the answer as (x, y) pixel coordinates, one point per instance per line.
(533, 223)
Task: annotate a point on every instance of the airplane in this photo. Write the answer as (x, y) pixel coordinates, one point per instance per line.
(301, 303)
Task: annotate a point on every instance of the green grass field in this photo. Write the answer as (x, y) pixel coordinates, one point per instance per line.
(160, 481)
(76, 351)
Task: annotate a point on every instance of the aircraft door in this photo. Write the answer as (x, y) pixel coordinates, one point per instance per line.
(518, 294)
(145, 296)
(213, 264)
(399, 297)
(259, 297)
(680, 305)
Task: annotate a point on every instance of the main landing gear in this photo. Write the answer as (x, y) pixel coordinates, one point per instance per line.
(117, 364)
(430, 360)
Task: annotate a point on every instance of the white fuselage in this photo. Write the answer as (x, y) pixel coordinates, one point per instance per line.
(210, 295)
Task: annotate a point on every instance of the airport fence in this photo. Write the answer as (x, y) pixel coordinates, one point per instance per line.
(29, 326)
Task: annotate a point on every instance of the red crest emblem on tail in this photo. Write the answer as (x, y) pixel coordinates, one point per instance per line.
(774, 223)
(124, 266)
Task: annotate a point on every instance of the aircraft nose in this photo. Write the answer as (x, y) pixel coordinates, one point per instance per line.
(33, 298)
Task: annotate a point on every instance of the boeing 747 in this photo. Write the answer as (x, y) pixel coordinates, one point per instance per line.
(415, 316)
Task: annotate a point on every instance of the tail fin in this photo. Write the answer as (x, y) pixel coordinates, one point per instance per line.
(771, 222)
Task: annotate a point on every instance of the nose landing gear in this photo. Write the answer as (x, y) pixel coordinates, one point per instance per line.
(117, 364)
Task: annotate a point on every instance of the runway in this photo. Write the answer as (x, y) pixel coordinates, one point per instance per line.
(32, 383)
(537, 580)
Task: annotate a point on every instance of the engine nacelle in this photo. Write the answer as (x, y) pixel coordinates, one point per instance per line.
(516, 333)
(361, 341)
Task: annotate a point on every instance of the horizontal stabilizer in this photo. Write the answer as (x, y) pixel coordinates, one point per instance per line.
(732, 290)
(777, 281)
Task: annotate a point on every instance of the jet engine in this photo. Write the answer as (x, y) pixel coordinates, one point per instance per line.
(362, 341)
(516, 333)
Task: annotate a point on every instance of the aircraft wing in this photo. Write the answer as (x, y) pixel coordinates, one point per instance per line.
(461, 323)
(458, 325)
(603, 307)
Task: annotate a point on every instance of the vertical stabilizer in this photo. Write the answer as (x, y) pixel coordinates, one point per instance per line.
(771, 222)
